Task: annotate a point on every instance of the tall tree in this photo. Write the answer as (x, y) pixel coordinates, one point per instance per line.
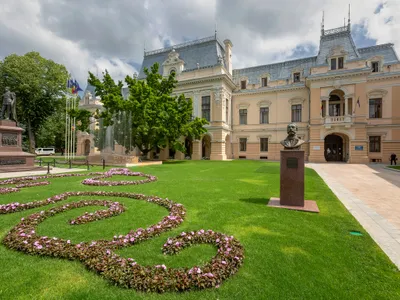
(39, 83)
(155, 116)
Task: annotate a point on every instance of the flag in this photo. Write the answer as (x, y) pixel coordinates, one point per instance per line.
(73, 86)
(77, 87)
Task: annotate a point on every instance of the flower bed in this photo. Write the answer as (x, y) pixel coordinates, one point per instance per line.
(100, 256)
(29, 181)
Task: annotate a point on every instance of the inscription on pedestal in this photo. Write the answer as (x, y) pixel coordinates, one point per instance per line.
(9, 140)
(12, 161)
(292, 163)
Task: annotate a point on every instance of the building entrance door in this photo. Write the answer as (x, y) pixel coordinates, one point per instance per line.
(333, 148)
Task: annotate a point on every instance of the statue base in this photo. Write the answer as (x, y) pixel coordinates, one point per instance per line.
(12, 158)
(292, 183)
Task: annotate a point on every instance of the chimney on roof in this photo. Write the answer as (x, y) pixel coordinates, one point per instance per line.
(228, 55)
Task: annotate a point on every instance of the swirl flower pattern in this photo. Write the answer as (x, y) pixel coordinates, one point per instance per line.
(100, 256)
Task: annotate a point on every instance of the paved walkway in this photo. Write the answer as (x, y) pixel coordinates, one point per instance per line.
(372, 195)
(35, 173)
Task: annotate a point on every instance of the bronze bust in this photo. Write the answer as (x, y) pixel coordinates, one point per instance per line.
(292, 142)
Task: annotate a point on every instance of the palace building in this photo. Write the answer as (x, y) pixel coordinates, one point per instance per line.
(345, 100)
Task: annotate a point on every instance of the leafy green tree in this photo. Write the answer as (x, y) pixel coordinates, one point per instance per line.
(39, 84)
(155, 117)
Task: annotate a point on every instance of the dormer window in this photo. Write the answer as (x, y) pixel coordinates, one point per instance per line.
(243, 84)
(375, 66)
(340, 62)
(296, 77)
(264, 81)
(337, 63)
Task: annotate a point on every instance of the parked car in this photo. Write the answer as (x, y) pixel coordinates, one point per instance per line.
(45, 151)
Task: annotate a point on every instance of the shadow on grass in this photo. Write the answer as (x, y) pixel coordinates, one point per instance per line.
(174, 162)
(261, 201)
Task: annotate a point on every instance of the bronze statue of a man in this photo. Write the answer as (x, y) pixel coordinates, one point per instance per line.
(292, 142)
(9, 106)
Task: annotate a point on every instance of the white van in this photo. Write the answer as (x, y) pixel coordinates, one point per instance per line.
(45, 151)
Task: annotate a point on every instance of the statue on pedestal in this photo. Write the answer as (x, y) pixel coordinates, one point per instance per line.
(9, 108)
(292, 142)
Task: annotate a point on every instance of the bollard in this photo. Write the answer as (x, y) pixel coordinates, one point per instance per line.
(104, 163)
(40, 162)
(48, 168)
(70, 164)
(87, 163)
(54, 162)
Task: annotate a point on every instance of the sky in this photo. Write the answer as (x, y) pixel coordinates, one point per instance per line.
(94, 35)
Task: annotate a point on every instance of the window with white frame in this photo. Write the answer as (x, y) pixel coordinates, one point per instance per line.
(337, 63)
(243, 116)
(263, 144)
(242, 144)
(264, 115)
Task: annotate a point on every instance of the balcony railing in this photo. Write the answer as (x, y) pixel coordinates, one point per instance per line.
(338, 120)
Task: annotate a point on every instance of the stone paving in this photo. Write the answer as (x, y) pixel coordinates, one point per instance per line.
(372, 195)
(36, 173)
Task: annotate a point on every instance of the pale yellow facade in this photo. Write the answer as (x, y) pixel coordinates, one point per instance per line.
(333, 113)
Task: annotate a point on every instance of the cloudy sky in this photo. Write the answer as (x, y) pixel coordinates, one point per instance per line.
(103, 34)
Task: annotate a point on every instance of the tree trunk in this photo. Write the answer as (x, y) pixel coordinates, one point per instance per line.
(31, 136)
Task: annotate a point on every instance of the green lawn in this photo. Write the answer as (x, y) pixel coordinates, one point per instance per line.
(288, 254)
(395, 167)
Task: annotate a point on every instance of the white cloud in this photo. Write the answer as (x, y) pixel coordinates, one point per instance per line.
(85, 34)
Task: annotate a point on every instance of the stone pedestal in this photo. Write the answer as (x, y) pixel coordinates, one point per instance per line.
(292, 183)
(292, 178)
(12, 158)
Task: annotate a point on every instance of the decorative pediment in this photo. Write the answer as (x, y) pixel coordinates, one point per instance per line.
(261, 136)
(238, 137)
(264, 103)
(377, 93)
(173, 63)
(296, 100)
(337, 51)
(242, 105)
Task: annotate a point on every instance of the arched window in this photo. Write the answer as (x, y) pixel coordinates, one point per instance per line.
(172, 71)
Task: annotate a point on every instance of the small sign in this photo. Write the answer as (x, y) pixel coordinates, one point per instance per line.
(359, 148)
(292, 163)
(12, 161)
(316, 147)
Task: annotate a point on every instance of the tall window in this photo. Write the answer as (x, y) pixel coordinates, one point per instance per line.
(375, 66)
(242, 144)
(374, 144)
(264, 115)
(242, 116)
(296, 113)
(227, 111)
(296, 77)
(205, 107)
(340, 63)
(243, 84)
(264, 81)
(375, 108)
(333, 64)
(264, 144)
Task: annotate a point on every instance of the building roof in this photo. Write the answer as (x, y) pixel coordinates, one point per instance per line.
(330, 39)
(204, 52)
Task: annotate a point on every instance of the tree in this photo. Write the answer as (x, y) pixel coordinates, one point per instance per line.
(155, 117)
(39, 84)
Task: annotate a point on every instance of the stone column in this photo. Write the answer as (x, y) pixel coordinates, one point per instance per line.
(346, 105)
(326, 106)
(196, 155)
(196, 103)
(218, 150)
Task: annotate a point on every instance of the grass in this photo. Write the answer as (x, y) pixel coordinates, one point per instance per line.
(289, 254)
(394, 167)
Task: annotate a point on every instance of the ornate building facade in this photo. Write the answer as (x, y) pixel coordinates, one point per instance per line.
(345, 100)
